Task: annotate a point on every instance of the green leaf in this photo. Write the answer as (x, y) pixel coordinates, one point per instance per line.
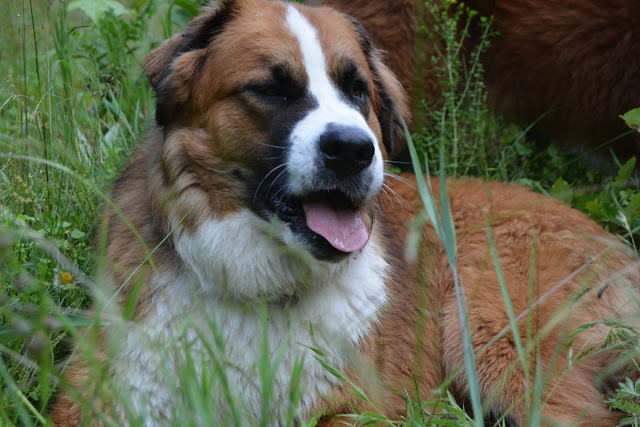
(625, 173)
(77, 234)
(332, 370)
(95, 9)
(632, 119)
(312, 422)
(561, 190)
(367, 419)
(25, 218)
(594, 207)
(448, 408)
(633, 207)
(523, 149)
(189, 6)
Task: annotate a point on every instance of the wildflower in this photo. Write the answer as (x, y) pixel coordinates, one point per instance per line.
(65, 278)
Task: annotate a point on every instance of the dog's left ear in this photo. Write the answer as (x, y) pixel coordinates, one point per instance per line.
(390, 99)
(172, 65)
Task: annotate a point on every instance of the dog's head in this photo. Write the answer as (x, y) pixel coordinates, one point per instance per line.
(278, 109)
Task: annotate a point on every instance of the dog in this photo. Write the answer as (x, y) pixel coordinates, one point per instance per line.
(258, 202)
(570, 68)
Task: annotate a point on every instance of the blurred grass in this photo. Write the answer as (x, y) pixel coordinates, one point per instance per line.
(73, 103)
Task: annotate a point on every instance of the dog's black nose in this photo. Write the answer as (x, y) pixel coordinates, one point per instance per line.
(346, 150)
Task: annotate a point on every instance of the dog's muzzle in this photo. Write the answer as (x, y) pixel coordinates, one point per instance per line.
(345, 150)
(333, 178)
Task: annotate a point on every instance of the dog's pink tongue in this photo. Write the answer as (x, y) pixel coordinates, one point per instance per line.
(343, 228)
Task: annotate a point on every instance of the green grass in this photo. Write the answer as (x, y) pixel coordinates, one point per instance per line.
(73, 104)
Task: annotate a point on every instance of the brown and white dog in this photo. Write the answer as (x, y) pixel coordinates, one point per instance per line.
(263, 180)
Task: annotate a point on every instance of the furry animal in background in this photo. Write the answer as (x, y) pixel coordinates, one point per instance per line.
(577, 61)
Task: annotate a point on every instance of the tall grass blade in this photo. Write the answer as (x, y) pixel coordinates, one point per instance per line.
(446, 232)
(513, 323)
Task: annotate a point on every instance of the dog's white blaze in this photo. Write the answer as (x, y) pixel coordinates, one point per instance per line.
(229, 262)
(331, 109)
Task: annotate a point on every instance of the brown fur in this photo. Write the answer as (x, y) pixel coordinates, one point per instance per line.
(565, 243)
(194, 168)
(576, 61)
(565, 240)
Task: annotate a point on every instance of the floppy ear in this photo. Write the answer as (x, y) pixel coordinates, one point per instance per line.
(392, 109)
(175, 62)
(390, 100)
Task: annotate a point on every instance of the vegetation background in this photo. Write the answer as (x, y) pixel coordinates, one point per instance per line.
(74, 102)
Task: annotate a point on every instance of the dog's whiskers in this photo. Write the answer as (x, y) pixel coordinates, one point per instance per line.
(396, 162)
(401, 200)
(401, 179)
(384, 191)
(269, 145)
(274, 181)
(280, 190)
(281, 165)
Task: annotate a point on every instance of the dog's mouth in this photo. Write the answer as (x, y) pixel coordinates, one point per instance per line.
(328, 215)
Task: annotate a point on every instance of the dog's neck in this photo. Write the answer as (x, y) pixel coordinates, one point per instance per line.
(335, 308)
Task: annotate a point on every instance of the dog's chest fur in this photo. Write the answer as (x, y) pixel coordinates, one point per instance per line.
(194, 312)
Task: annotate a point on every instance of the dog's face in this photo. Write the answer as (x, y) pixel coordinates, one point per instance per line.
(282, 110)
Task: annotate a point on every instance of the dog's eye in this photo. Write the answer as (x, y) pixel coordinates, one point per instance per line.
(359, 91)
(357, 94)
(269, 93)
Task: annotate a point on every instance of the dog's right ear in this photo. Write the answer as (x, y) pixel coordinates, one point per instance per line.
(172, 65)
(390, 100)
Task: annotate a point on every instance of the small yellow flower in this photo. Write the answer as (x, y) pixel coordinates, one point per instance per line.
(65, 278)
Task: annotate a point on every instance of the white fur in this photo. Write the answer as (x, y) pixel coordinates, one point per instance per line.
(229, 262)
(331, 109)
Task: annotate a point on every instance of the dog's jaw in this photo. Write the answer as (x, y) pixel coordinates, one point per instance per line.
(278, 272)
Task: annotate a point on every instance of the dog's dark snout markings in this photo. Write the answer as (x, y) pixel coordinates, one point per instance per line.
(346, 150)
